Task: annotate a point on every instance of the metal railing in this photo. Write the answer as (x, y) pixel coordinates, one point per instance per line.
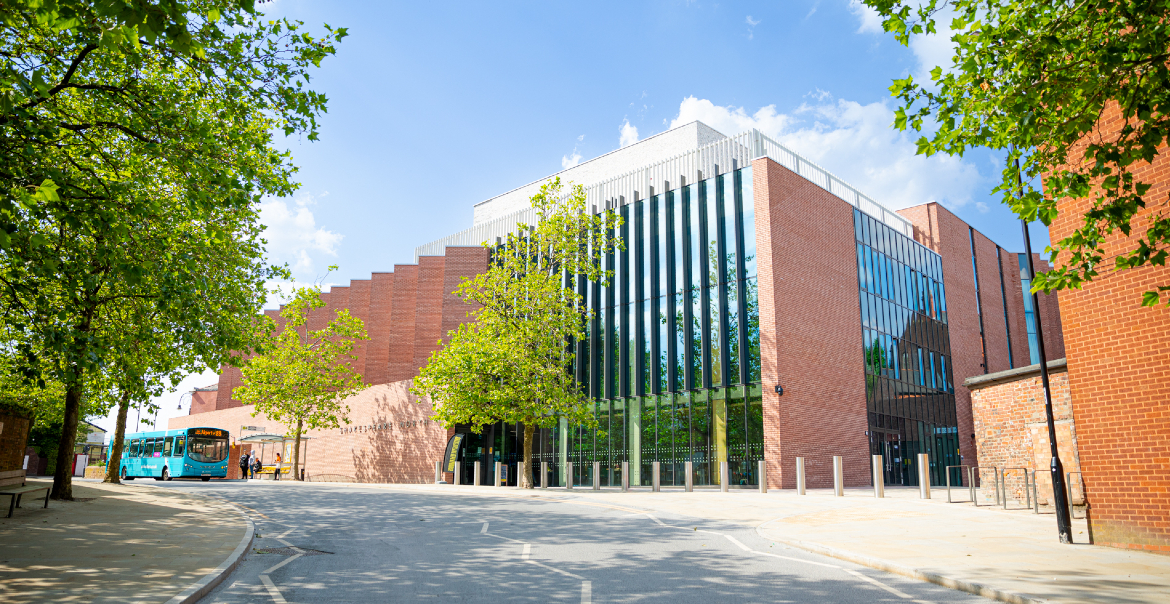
(994, 480)
(970, 483)
(1003, 483)
(707, 161)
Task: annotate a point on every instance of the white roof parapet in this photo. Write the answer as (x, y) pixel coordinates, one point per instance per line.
(709, 160)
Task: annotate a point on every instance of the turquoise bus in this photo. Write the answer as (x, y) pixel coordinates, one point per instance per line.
(188, 453)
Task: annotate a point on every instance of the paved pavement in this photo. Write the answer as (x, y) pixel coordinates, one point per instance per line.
(127, 543)
(371, 543)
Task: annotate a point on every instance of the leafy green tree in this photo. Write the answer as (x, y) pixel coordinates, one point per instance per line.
(304, 376)
(132, 169)
(1035, 77)
(512, 362)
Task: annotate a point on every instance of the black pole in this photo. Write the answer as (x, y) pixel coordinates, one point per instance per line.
(1059, 495)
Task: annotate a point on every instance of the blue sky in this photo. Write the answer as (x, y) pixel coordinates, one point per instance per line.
(434, 107)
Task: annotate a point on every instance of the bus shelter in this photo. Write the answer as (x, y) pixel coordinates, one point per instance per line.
(280, 444)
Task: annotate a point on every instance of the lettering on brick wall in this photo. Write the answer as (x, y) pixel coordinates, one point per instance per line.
(387, 426)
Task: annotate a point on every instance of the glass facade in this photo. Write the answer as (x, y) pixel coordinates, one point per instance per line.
(1029, 311)
(909, 382)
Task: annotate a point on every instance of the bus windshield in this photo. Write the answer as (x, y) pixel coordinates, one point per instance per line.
(207, 450)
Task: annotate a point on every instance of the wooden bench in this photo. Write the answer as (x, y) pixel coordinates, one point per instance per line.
(12, 483)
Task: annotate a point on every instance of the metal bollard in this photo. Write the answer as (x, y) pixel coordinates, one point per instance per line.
(763, 476)
(597, 476)
(625, 476)
(544, 474)
(838, 476)
(475, 481)
(724, 476)
(569, 475)
(879, 476)
(655, 477)
(800, 475)
(690, 478)
(438, 472)
(923, 476)
(498, 477)
(458, 471)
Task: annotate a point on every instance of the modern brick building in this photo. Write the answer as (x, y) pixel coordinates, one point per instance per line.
(763, 309)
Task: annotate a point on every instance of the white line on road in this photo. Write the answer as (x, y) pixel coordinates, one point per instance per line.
(900, 594)
(586, 592)
(526, 552)
(483, 531)
(272, 590)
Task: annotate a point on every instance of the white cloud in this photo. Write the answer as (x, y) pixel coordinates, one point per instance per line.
(568, 161)
(752, 23)
(628, 134)
(871, 22)
(293, 235)
(855, 142)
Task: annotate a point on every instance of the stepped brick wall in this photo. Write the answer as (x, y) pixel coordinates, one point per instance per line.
(406, 314)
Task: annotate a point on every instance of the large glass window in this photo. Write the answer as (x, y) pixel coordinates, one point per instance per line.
(909, 393)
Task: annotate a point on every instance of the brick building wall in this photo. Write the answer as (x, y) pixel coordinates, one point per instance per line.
(389, 438)
(1011, 428)
(204, 399)
(810, 330)
(405, 313)
(1119, 375)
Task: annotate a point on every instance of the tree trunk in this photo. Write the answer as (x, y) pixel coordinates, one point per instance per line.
(529, 430)
(114, 467)
(63, 474)
(297, 452)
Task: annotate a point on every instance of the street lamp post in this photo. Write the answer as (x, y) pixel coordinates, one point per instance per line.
(1059, 495)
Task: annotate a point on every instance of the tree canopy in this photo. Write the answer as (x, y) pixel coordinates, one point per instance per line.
(303, 376)
(512, 362)
(1034, 78)
(135, 146)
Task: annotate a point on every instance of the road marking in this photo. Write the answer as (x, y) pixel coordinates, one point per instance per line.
(272, 590)
(741, 546)
(556, 570)
(796, 559)
(900, 594)
(586, 592)
(526, 552)
(483, 531)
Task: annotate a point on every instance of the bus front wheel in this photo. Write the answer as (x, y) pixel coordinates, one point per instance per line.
(205, 478)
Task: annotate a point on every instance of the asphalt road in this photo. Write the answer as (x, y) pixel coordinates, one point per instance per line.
(352, 543)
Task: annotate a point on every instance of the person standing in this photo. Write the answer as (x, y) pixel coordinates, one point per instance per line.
(244, 466)
(276, 475)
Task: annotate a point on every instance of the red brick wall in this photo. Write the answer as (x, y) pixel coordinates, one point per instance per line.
(429, 313)
(402, 322)
(202, 401)
(810, 330)
(359, 306)
(378, 328)
(1012, 431)
(1119, 373)
(390, 437)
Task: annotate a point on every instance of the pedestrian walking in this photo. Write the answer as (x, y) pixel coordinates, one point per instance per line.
(277, 475)
(244, 466)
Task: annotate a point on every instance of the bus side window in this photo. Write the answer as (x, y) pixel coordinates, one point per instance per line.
(134, 447)
(150, 447)
(170, 441)
(158, 447)
(179, 442)
(126, 450)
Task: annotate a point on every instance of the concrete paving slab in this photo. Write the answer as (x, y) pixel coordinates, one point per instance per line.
(116, 543)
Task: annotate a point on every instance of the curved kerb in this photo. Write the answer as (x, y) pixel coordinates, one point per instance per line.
(211, 580)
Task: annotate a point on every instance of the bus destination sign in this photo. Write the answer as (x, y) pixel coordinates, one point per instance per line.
(212, 432)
